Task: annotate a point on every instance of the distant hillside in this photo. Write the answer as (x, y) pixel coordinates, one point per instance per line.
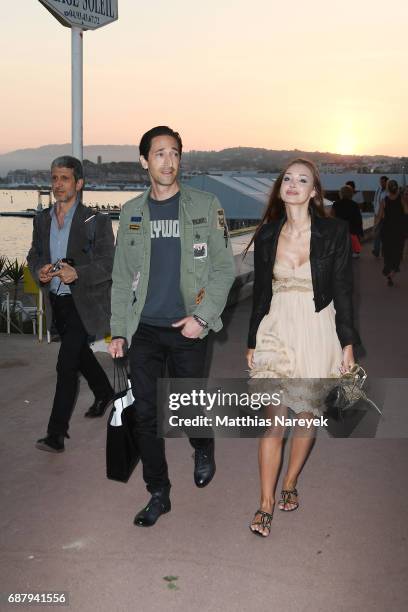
(255, 158)
(236, 158)
(40, 158)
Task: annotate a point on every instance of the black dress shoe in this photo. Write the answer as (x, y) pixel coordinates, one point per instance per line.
(204, 465)
(99, 407)
(52, 444)
(159, 504)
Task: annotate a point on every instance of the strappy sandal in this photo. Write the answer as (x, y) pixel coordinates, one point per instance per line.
(265, 523)
(286, 495)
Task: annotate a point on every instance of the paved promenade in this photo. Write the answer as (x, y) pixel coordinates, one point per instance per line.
(65, 527)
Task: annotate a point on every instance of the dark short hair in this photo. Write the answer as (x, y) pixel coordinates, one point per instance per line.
(384, 178)
(392, 182)
(351, 184)
(160, 130)
(346, 192)
(67, 161)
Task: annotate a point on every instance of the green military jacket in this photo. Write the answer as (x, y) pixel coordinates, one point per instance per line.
(207, 264)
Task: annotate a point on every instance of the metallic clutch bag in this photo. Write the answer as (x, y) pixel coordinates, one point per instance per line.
(347, 392)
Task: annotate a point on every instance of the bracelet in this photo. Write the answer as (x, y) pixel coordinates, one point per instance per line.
(200, 321)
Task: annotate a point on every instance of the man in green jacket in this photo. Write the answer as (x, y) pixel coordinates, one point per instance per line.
(172, 273)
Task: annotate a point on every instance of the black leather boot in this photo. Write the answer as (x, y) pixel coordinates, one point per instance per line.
(99, 407)
(159, 504)
(204, 465)
(52, 443)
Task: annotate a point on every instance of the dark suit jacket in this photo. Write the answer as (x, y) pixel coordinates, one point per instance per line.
(349, 211)
(91, 246)
(330, 262)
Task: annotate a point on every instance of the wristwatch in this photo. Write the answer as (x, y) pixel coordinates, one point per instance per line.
(200, 321)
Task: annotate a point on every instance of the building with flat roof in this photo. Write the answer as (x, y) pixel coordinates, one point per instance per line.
(244, 195)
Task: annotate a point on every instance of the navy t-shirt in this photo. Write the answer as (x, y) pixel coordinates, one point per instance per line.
(164, 304)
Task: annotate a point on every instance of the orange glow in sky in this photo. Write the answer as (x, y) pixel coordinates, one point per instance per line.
(316, 75)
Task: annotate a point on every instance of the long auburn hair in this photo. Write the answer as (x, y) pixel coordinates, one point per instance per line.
(275, 208)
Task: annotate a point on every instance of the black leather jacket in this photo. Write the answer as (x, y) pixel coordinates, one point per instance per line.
(331, 266)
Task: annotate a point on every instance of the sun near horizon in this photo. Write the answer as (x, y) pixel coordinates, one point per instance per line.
(316, 77)
(346, 145)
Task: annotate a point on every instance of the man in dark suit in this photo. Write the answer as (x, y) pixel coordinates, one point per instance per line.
(71, 258)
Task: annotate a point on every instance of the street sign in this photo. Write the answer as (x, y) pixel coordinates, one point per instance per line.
(84, 14)
(80, 15)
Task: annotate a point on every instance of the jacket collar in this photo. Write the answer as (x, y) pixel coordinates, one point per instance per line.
(80, 214)
(272, 231)
(71, 212)
(184, 196)
(316, 224)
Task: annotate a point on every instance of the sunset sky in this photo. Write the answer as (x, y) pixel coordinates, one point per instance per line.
(318, 75)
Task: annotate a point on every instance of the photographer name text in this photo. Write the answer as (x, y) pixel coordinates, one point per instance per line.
(246, 421)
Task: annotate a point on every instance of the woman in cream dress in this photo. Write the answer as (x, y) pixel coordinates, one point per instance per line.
(301, 322)
(293, 341)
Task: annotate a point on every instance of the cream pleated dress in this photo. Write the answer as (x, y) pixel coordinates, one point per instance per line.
(294, 341)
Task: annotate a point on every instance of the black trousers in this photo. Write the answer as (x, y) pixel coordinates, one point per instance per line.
(151, 350)
(74, 357)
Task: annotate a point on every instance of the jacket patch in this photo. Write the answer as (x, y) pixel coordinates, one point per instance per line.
(220, 218)
(200, 250)
(135, 219)
(200, 220)
(200, 296)
(134, 226)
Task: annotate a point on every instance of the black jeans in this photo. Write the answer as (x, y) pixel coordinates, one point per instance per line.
(153, 348)
(74, 357)
(377, 238)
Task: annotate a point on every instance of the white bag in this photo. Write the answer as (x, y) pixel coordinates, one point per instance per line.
(120, 404)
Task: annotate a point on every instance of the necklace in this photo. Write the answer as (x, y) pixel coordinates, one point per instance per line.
(295, 232)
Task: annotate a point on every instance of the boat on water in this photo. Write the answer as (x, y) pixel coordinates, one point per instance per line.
(113, 213)
(28, 213)
(113, 210)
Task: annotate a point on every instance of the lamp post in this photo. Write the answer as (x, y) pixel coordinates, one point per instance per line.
(77, 92)
(80, 15)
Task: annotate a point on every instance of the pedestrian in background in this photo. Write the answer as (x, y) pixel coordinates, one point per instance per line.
(393, 230)
(404, 200)
(358, 196)
(379, 195)
(347, 209)
(71, 258)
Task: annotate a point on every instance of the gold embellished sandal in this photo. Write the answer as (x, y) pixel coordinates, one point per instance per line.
(265, 523)
(286, 498)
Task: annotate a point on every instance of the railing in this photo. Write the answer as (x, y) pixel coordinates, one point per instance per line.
(33, 313)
